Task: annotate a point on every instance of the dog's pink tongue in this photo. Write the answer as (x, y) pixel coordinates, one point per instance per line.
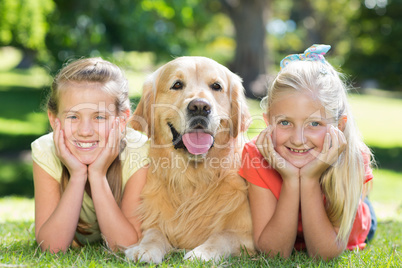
(198, 142)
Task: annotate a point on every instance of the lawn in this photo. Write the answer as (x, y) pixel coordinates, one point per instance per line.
(22, 120)
(18, 248)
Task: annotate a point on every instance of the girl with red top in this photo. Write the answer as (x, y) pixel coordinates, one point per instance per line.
(308, 170)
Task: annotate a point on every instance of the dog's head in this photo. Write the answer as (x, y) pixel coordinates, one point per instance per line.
(192, 104)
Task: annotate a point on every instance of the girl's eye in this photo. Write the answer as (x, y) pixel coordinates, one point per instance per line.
(71, 117)
(100, 117)
(315, 124)
(177, 85)
(284, 123)
(216, 86)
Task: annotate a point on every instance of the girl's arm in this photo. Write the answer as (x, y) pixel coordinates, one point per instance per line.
(56, 217)
(119, 228)
(319, 233)
(275, 221)
(131, 199)
(119, 225)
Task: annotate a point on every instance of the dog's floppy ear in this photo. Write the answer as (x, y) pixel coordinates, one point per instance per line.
(141, 118)
(239, 114)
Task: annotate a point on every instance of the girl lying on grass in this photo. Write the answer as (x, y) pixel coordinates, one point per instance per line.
(308, 170)
(89, 172)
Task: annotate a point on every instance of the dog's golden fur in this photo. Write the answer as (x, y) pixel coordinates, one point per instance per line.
(196, 202)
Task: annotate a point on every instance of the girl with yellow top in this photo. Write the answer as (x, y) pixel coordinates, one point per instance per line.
(89, 172)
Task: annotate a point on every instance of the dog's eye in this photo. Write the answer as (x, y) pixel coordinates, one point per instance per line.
(216, 86)
(177, 85)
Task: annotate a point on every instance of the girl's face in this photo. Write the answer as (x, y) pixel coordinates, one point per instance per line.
(300, 124)
(86, 114)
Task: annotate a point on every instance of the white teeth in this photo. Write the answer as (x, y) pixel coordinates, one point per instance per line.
(298, 151)
(85, 144)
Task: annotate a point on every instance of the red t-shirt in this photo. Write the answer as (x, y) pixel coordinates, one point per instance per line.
(256, 170)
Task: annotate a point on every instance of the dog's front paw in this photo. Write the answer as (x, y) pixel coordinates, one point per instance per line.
(204, 253)
(144, 254)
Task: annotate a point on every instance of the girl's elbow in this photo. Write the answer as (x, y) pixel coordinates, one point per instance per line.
(53, 248)
(53, 244)
(118, 245)
(132, 241)
(324, 255)
(273, 252)
(282, 253)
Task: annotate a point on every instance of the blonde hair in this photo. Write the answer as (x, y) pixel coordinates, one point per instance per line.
(342, 183)
(113, 81)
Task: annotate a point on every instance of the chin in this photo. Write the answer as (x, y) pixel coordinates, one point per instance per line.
(300, 164)
(86, 160)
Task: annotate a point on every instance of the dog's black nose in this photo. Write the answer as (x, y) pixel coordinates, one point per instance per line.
(199, 107)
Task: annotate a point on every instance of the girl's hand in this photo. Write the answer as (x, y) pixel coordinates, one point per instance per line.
(265, 146)
(334, 145)
(74, 166)
(109, 153)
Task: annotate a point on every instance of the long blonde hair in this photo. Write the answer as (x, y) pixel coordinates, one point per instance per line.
(114, 83)
(342, 183)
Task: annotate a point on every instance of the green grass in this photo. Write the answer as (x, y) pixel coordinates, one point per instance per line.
(35, 77)
(378, 119)
(18, 248)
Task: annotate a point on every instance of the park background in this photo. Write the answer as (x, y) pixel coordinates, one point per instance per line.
(249, 36)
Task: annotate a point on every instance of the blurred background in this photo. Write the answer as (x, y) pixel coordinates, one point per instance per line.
(249, 36)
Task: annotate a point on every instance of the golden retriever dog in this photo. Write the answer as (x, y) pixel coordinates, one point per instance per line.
(194, 111)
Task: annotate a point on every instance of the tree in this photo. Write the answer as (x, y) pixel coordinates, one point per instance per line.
(249, 20)
(376, 52)
(306, 22)
(23, 24)
(94, 27)
(167, 27)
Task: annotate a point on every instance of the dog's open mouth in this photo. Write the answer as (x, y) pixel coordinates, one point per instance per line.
(197, 141)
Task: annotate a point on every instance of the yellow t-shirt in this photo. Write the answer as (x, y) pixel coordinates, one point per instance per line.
(133, 157)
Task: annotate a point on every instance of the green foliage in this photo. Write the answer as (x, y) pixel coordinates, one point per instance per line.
(376, 51)
(365, 36)
(22, 119)
(90, 28)
(299, 24)
(16, 178)
(23, 23)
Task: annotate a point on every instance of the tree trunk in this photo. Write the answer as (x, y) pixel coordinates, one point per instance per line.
(248, 17)
(302, 11)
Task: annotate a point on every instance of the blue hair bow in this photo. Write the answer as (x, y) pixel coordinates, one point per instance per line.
(313, 53)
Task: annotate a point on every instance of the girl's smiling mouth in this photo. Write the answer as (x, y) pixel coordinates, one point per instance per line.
(299, 150)
(86, 145)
